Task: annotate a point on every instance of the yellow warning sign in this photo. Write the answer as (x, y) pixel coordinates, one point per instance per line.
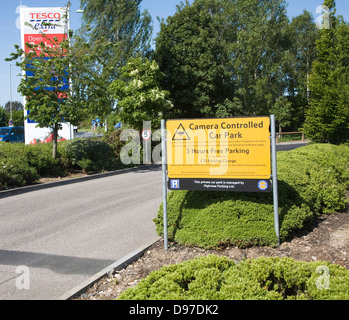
(231, 148)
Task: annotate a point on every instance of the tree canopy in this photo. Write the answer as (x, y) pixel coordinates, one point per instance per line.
(17, 114)
(327, 118)
(49, 68)
(116, 30)
(224, 58)
(139, 95)
(119, 22)
(192, 51)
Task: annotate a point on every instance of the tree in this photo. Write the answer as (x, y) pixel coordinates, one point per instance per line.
(302, 34)
(115, 30)
(138, 94)
(224, 57)
(17, 114)
(327, 119)
(49, 68)
(260, 53)
(282, 110)
(119, 22)
(191, 49)
(3, 117)
(93, 79)
(16, 106)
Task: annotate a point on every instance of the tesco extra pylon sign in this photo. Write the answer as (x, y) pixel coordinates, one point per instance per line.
(43, 25)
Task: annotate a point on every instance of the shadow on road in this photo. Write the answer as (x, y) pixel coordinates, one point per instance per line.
(57, 263)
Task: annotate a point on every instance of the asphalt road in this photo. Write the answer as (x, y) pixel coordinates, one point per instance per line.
(66, 234)
(289, 146)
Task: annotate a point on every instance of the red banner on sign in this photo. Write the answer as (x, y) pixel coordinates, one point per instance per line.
(47, 39)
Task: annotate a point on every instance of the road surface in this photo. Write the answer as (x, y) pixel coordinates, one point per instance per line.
(64, 235)
(289, 146)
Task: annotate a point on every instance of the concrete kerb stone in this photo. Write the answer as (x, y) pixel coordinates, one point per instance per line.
(116, 266)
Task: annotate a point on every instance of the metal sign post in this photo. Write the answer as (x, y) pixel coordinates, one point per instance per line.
(146, 136)
(164, 179)
(274, 175)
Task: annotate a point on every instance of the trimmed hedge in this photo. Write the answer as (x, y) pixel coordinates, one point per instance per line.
(219, 278)
(312, 180)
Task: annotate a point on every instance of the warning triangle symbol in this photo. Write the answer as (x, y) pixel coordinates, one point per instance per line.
(181, 134)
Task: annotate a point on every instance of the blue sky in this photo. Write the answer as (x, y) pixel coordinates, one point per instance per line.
(157, 8)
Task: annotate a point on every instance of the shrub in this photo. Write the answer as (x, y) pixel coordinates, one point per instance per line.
(113, 139)
(90, 155)
(319, 173)
(22, 165)
(39, 156)
(214, 219)
(219, 278)
(312, 180)
(14, 168)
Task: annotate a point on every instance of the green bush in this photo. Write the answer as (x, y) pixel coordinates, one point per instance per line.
(90, 155)
(39, 156)
(112, 137)
(22, 165)
(312, 180)
(14, 168)
(319, 173)
(219, 278)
